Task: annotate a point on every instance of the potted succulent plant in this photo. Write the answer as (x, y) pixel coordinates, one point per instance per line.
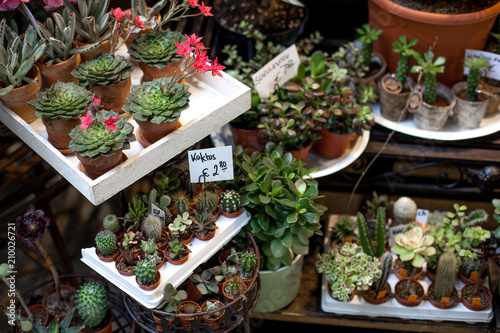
(200, 284)
(153, 230)
(232, 289)
(146, 274)
(375, 247)
(112, 223)
(375, 62)
(395, 88)
(432, 114)
(152, 253)
(125, 264)
(203, 226)
(442, 293)
(106, 246)
(92, 307)
(471, 106)
(344, 231)
(56, 325)
(156, 107)
(230, 204)
(187, 307)
(207, 201)
(248, 262)
(211, 306)
(180, 228)
(171, 300)
(380, 291)
(60, 108)
(346, 269)
(150, 16)
(21, 80)
(177, 253)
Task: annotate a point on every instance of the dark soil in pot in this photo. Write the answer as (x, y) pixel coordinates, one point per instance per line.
(483, 293)
(122, 267)
(60, 306)
(436, 301)
(398, 264)
(415, 289)
(372, 294)
(447, 6)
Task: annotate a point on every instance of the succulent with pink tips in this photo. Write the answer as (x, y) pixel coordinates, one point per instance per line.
(413, 245)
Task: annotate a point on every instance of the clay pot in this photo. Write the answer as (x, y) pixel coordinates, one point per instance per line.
(37, 308)
(370, 300)
(351, 296)
(470, 306)
(228, 298)
(373, 78)
(400, 277)
(212, 321)
(157, 319)
(247, 282)
(208, 236)
(223, 255)
(183, 240)
(219, 284)
(150, 287)
(455, 33)
(432, 118)
(187, 320)
(95, 168)
(437, 303)
(192, 291)
(60, 71)
(17, 100)
(405, 301)
(248, 139)
(107, 259)
(124, 273)
(392, 104)
(332, 145)
(177, 262)
(58, 133)
(113, 96)
(232, 215)
(159, 265)
(301, 154)
(152, 72)
(66, 292)
(148, 132)
(493, 102)
(431, 275)
(467, 114)
(104, 47)
(467, 280)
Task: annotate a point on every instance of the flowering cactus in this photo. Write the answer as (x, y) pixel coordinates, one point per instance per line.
(413, 245)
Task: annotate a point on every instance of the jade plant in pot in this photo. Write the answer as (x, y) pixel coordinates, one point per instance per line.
(375, 62)
(395, 88)
(442, 293)
(438, 100)
(346, 269)
(92, 307)
(471, 105)
(60, 108)
(380, 291)
(412, 246)
(98, 142)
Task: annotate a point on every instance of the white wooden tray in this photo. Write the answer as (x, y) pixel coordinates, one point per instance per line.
(214, 102)
(425, 310)
(201, 251)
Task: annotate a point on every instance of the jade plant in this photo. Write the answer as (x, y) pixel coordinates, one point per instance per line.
(367, 36)
(171, 298)
(346, 269)
(92, 303)
(203, 282)
(203, 224)
(59, 327)
(180, 226)
(62, 101)
(430, 68)
(105, 242)
(348, 57)
(404, 48)
(145, 272)
(101, 135)
(152, 101)
(230, 201)
(476, 67)
(151, 226)
(366, 242)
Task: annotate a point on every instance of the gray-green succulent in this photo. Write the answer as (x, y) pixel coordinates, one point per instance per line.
(103, 70)
(92, 20)
(156, 49)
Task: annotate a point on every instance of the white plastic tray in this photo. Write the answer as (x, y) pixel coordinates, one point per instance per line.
(214, 102)
(201, 251)
(358, 306)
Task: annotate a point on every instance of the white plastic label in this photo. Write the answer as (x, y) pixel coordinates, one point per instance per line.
(494, 59)
(422, 215)
(393, 231)
(276, 72)
(158, 212)
(211, 164)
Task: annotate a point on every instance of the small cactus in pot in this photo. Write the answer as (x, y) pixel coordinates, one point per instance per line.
(92, 303)
(151, 226)
(248, 261)
(111, 223)
(230, 202)
(106, 243)
(181, 203)
(146, 273)
(207, 202)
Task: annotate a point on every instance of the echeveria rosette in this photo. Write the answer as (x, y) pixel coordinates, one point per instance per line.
(96, 141)
(156, 49)
(153, 101)
(102, 70)
(413, 245)
(31, 225)
(62, 101)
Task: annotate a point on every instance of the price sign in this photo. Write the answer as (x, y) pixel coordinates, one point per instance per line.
(422, 215)
(211, 164)
(393, 231)
(158, 212)
(494, 59)
(276, 72)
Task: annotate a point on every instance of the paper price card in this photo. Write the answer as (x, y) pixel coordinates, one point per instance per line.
(276, 72)
(211, 164)
(494, 59)
(422, 215)
(393, 231)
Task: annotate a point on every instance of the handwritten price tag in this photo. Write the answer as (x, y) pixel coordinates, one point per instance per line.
(211, 164)
(158, 212)
(276, 72)
(422, 215)
(393, 231)
(494, 59)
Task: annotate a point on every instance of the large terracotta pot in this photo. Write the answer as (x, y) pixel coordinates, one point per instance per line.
(17, 100)
(248, 139)
(67, 292)
(113, 96)
(104, 47)
(58, 133)
(332, 145)
(151, 72)
(148, 132)
(101, 165)
(59, 72)
(455, 33)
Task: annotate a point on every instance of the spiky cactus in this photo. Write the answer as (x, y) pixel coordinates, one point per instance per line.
(386, 269)
(234, 287)
(430, 67)
(156, 49)
(367, 36)
(445, 275)
(102, 70)
(248, 261)
(207, 201)
(230, 201)
(364, 236)
(405, 53)
(106, 242)
(145, 271)
(111, 223)
(181, 203)
(92, 303)
(151, 226)
(476, 67)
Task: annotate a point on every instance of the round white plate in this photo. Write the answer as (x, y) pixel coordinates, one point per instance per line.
(325, 166)
(450, 131)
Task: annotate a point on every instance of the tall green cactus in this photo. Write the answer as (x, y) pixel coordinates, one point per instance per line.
(386, 269)
(367, 36)
(476, 67)
(430, 68)
(181, 203)
(92, 303)
(380, 233)
(405, 53)
(445, 275)
(248, 260)
(364, 236)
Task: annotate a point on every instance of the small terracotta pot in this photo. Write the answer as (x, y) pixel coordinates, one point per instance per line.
(400, 277)
(432, 118)
(17, 100)
(301, 154)
(351, 296)
(213, 322)
(232, 215)
(104, 47)
(384, 299)
(248, 139)
(113, 96)
(228, 298)
(186, 320)
(95, 168)
(64, 288)
(332, 145)
(372, 79)
(148, 133)
(151, 72)
(467, 280)
(159, 328)
(58, 133)
(391, 104)
(438, 304)
(183, 241)
(430, 275)
(247, 282)
(471, 306)
(36, 308)
(223, 255)
(404, 301)
(178, 262)
(192, 291)
(110, 258)
(59, 72)
(124, 273)
(151, 287)
(208, 236)
(107, 328)
(467, 114)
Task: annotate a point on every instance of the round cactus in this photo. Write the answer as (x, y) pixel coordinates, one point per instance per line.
(404, 210)
(145, 272)
(230, 201)
(111, 223)
(248, 260)
(207, 202)
(152, 227)
(92, 303)
(181, 203)
(106, 242)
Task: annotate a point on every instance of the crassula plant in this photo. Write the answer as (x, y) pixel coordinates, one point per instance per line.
(171, 298)
(430, 68)
(343, 116)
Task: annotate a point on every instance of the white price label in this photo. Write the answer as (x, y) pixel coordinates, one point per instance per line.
(422, 215)
(158, 212)
(276, 72)
(393, 231)
(494, 59)
(211, 164)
